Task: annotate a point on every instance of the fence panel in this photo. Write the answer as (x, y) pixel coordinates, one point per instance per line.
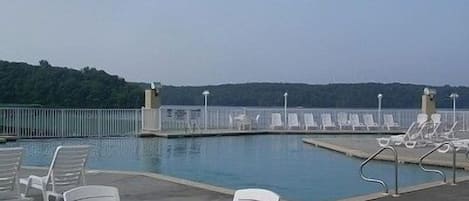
(40, 122)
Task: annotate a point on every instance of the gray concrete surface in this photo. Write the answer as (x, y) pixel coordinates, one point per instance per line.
(146, 186)
(365, 145)
(231, 132)
(458, 192)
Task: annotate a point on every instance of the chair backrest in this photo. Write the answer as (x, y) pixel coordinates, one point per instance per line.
(309, 119)
(254, 194)
(421, 119)
(92, 193)
(355, 119)
(368, 119)
(276, 119)
(436, 118)
(257, 118)
(10, 162)
(342, 118)
(68, 167)
(388, 119)
(293, 119)
(326, 119)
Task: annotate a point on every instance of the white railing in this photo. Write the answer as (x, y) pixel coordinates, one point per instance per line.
(40, 122)
(191, 118)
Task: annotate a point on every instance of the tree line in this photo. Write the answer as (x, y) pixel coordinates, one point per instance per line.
(49, 86)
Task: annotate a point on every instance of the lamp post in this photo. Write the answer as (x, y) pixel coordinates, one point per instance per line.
(205, 93)
(454, 96)
(285, 95)
(380, 97)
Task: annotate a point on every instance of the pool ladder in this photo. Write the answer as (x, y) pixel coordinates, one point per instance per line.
(379, 181)
(441, 173)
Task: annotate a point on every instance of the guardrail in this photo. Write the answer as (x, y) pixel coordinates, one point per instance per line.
(175, 117)
(441, 173)
(379, 181)
(44, 123)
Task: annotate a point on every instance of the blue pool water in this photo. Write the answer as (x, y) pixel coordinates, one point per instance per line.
(297, 171)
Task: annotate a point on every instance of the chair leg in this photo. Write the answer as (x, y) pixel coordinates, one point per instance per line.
(45, 196)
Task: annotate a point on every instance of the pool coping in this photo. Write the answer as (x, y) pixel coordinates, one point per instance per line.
(364, 155)
(228, 132)
(171, 179)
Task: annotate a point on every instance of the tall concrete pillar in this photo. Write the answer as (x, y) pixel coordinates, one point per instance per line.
(152, 99)
(429, 101)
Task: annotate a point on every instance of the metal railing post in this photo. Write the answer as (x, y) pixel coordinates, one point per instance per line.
(379, 181)
(441, 173)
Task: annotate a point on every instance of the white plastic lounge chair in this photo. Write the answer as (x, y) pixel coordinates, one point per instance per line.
(243, 122)
(327, 121)
(293, 122)
(436, 118)
(356, 124)
(389, 122)
(414, 136)
(92, 193)
(370, 122)
(10, 163)
(230, 121)
(254, 194)
(448, 135)
(276, 121)
(342, 120)
(256, 121)
(414, 129)
(422, 118)
(309, 121)
(66, 171)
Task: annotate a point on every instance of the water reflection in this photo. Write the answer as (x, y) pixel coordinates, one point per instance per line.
(281, 163)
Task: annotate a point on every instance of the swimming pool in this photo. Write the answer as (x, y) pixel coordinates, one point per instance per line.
(282, 163)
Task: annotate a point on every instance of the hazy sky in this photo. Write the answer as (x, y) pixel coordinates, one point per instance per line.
(229, 41)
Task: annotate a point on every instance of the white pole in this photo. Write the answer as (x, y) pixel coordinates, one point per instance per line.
(454, 110)
(380, 97)
(205, 93)
(285, 108)
(454, 96)
(205, 116)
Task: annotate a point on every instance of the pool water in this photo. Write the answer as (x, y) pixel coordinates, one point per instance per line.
(281, 163)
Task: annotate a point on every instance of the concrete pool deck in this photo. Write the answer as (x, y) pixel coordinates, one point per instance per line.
(136, 186)
(435, 191)
(363, 146)
(232, 132)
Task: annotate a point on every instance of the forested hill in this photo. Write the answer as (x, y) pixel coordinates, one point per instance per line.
(48, 86)
(21, 83)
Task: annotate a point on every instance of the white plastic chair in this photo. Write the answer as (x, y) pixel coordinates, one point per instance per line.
(230, 121)
(327, 121)
(10, 163)
(66, 171)
(356, 124)
(276, 121)
(343, 121)
(422, 118)
(256, 121)
(436, 118)
(92, 193)
(369, 122)
(254, 194)
(293, 122)
(389, 122)
(309, 121)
